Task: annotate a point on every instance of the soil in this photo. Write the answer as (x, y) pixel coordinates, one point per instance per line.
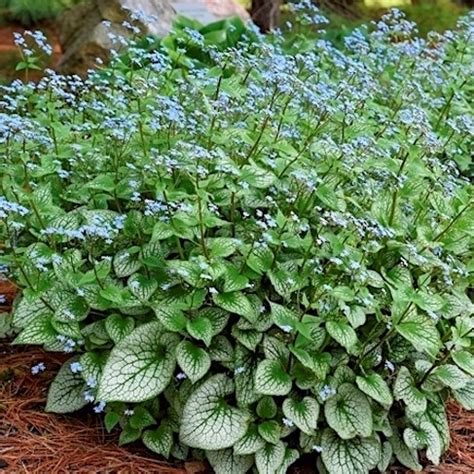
(9, 54)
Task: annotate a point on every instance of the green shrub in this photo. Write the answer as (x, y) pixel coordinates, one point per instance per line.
(252, 253)
(32, 11)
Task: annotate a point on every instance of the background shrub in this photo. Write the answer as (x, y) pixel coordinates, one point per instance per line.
(252, 253)
(27, 12)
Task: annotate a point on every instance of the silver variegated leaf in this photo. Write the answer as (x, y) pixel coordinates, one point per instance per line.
(140, 366)
(354, 456)
(421, 331)
(160, 441)
(303, 413)
(426, 436)
(225, 461)
(250, 443)
(269, 458)
(119, 326)
(208, 421)
(349, 412)
(465, 395)
(38, 331)
(407, 456)
(406, 390)
(272, 379)
(66, 393)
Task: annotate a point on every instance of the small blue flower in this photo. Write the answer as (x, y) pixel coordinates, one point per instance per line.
(39, 367)
(100, 407)
(75, 367)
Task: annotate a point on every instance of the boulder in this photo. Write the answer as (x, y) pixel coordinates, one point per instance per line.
(85, 31)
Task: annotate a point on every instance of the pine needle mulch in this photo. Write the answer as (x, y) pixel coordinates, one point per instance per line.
(35, 442)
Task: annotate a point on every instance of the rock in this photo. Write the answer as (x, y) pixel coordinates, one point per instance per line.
(156, 16)
(85, 37)
(85, 32)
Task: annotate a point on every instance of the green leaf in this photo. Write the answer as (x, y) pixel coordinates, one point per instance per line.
(349, 412)
(421, 331)
(172, 317)
(222, 247)
(141, 287)
(194, 361)
(342, 332)
(141, 418)
(201, 329)
(160, 440)
(66, 392)
(237, 303)
(303, 413)
(271, 378)
(270, 431)
(129, 435)
(284, 317)
(343, 293)
(375, 387)
(405, 389)
(140, 366)
(226, 462)
(269, 458)
(208, 421)
(119, 326)
(354, 456)
(465, 360)
(234, 280)
(111, 420)
(426, 436)
(260, 260)
(266, 407)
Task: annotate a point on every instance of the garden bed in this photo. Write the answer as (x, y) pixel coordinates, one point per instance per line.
(33, 441)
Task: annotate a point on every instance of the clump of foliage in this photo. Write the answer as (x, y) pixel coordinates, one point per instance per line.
(32, 11)
(252, 253)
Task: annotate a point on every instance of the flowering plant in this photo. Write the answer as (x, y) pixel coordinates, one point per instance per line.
(262, 257)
